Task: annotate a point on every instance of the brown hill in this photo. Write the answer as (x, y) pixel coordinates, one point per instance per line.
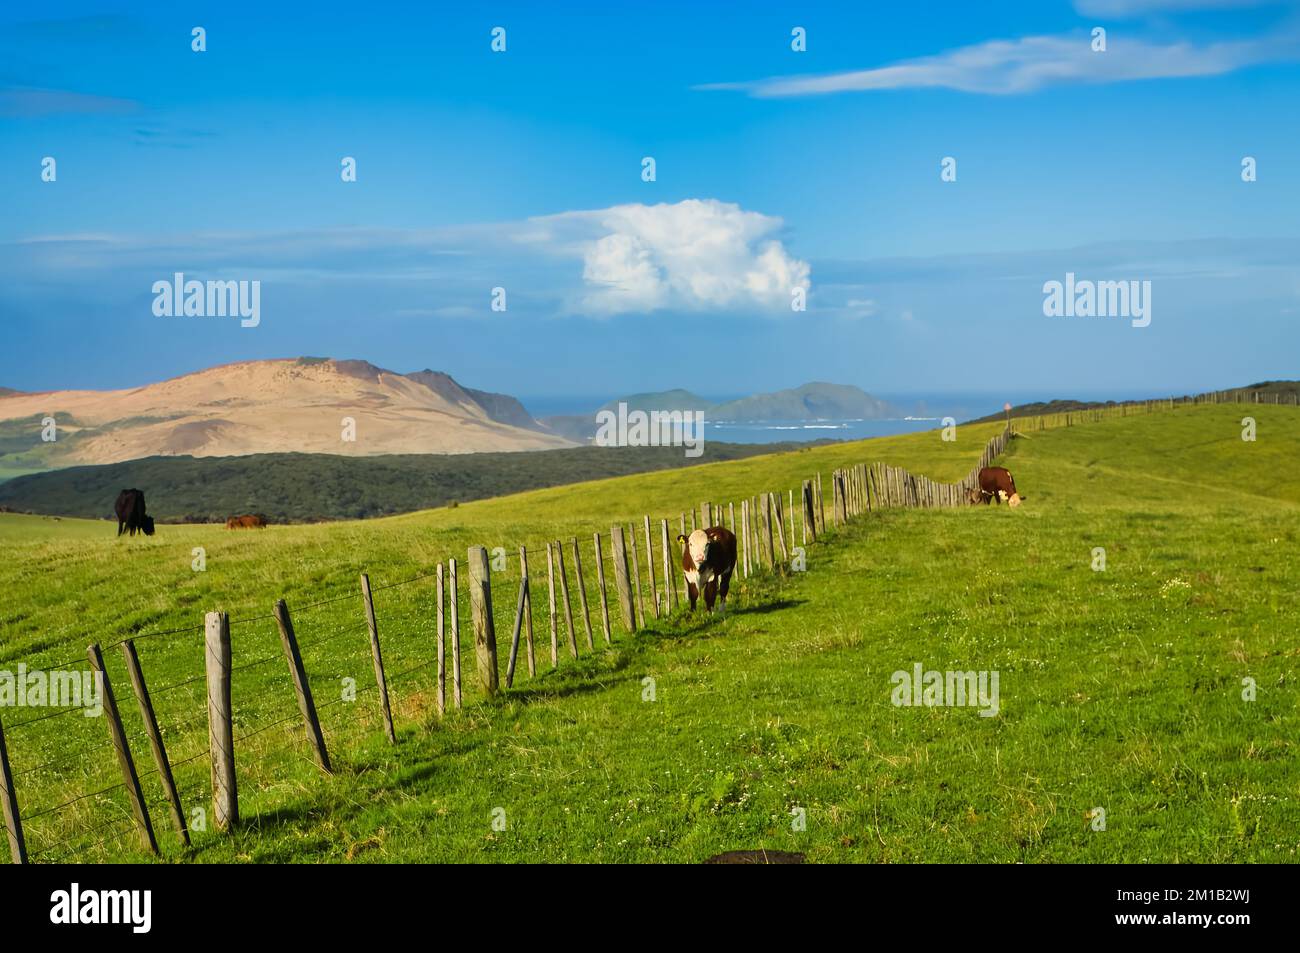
(263, 407)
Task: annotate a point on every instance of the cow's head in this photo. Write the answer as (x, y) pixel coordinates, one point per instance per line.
(1014, 500)
(699, 545)
(147, 525)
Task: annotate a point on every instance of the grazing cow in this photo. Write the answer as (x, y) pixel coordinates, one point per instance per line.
(254, 521)
(708, 559)
(130, 513)
(997, 485)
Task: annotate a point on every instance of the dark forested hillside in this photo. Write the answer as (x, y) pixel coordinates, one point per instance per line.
(299, 487)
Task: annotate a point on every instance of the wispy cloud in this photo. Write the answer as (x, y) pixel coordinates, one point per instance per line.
(1002, 67)
(26, 101)
(1125, 9)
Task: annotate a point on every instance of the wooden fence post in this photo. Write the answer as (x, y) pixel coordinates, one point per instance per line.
(632, 558)
(453, 600)
(600, 583)
(485, 635)
(568, 604)
(731, 517)
(809, 514)
(670, 588)
(9, 801)
(622, 581)
(779, 519)
(124, 759)
(301, 687)
(528, 612)
(440, 696)
(744, 538)
(582, 593)
(554, 617)
(150, 719)
(650, 567)
(706, 515)
(378, 658)
(221, 728)
(514, 636)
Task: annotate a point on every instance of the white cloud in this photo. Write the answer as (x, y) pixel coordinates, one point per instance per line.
(695, 255)
(1022, 65)
(692, 256)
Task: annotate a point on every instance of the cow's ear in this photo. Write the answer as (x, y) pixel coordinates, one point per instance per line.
(681, 537)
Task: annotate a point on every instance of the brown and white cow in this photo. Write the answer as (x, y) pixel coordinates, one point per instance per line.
(708, 559)
(997, 485)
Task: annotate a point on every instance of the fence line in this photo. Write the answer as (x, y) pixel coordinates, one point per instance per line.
(767, 540)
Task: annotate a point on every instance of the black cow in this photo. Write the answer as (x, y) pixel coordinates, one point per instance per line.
(130, 513)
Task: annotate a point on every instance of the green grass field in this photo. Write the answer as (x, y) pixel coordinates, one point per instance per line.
(1120, 689)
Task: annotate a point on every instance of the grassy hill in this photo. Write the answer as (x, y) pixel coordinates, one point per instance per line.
(310, 487)
(1281, 392)
(1120, 689)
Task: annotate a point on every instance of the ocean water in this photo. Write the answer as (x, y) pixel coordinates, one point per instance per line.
(808, 430)
(916, 412)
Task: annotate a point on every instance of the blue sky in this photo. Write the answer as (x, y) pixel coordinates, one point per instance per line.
(775, 169)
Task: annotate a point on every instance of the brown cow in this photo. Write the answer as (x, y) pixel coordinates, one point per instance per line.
(997, 485)
(246, 522)
(708, 559)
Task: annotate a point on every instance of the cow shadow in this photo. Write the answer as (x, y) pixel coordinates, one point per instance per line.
(701, 624)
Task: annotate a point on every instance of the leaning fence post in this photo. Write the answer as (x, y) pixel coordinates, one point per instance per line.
(582, 592)
(514, 636)
(221, 729)
(141, 689)
(114, 717)
(600, 582)
(378, 658)
(485, 636)
(301, 687)
(779, 519)
(9, 800)
(622, 581)
(568, 603)
(528, 611)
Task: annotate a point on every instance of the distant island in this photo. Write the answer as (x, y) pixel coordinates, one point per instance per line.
(817, 400)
